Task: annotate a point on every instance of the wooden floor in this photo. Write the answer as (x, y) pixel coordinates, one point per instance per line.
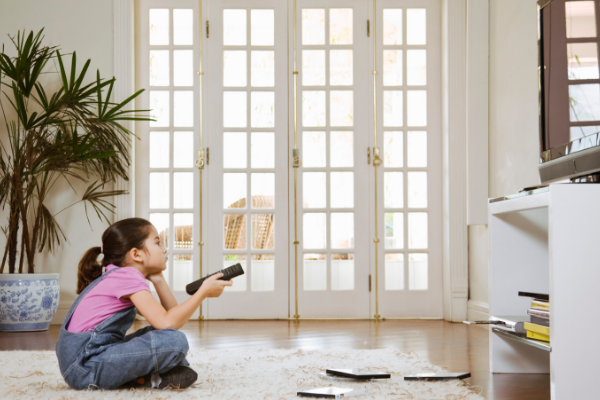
(457, 347)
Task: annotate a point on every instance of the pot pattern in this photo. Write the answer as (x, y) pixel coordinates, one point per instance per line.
(28, 300)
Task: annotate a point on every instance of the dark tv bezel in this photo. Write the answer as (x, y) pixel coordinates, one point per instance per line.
(571, 160)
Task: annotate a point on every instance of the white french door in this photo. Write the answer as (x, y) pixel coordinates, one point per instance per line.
(247, 137)
(166, 179)
(333, 116)
(410, 228)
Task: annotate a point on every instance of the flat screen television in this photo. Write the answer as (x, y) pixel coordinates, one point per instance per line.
(569, 34)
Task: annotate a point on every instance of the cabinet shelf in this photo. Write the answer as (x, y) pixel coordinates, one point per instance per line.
(518, 338)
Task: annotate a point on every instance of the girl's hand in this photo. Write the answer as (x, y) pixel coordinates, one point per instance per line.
(212, 287)
(156, 277)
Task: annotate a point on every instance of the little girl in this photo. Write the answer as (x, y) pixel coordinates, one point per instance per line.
(93, 350)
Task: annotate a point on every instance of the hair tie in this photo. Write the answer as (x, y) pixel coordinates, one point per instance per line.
(101, 250)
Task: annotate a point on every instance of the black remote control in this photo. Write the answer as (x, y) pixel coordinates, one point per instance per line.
(228, 274)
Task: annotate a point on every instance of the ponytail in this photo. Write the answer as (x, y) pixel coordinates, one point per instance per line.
(89, 268)
(117, 240)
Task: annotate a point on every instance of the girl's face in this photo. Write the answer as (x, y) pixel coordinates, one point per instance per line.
(155, 259)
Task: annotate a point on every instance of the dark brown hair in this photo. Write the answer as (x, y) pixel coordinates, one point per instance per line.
(117, 240)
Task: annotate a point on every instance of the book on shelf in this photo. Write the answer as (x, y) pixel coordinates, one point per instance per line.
(512, 323)
(539, 321)
(543, 330)
(538, 336)
(534, 312)
(540, 304)
(541, 296)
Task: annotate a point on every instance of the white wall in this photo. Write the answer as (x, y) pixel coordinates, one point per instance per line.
(513, 122)
(85, 26)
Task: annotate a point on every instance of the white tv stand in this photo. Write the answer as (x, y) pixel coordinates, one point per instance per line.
(548, 241)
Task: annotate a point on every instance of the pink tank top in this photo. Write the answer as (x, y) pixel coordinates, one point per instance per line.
(104, 299)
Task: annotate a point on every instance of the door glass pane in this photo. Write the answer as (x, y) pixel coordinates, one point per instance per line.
(161, 223)
(234, 190)
(340, 67)
(314, 152)
(183, 194)
(235, 231)
(392, 190)
(159, 150)
(417, 230)
(234, 27)
(394, 272)
(416, 26)
(183, 149)
(183, 108)
(263, 190)
(183, 24)
(417, 149)
(263, 231)
(416, 67)
(262, 273)
(159, 26)
(417, 189)
(313, 26)
(313, 67)
(583, 60)
(234, 68)
(392, 68)
(313, 108)
(342, 149)
(159, 106)
(393, 149)
(159, 190)
(394, 230)
(262, 150)
(342, 108)
(314, 189)
(392, 26)
(315, 230)
(342, 189)
(234, 109)
(342, 230)
(342, 271)
(159, 67)
(417, 107)
(340, 26)
(183, 67)
(184, 225)
(581, 19)
(417, 271)
(392, 108)
(263, 109)
(315, 272)
(263, 27)
(183, 271)
(263, 68)
(239, 283)
(584, 102)
(234, 150)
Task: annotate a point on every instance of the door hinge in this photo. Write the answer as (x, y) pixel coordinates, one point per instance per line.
(369, 283)
(368, 28)
(207, 156)
(368, 155)
(207, 30)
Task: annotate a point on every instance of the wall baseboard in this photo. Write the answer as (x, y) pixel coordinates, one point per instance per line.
(478, 311)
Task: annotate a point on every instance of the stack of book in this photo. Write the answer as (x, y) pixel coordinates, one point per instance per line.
(538, 327)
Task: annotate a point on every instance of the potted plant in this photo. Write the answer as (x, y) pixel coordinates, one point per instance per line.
(72, 133)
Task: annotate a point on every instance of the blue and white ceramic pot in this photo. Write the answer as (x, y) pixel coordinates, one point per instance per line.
(28, 301)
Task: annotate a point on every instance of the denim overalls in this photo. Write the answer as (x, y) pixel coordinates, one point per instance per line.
(105, 358)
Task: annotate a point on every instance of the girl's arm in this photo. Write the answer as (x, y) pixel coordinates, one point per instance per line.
(167, 299)
(175, 317)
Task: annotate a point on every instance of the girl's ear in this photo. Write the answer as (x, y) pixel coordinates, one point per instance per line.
(135, 255)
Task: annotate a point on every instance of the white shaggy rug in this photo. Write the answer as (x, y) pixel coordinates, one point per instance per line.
(243, 374)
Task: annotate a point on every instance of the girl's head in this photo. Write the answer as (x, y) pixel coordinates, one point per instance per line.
(130, 242)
